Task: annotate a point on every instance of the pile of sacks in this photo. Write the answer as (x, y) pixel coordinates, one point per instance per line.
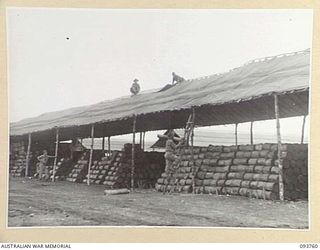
(295, 171)
(80, 169)
(247, 170)
(62, 169)
(18, 164)
(118, 172)
(99, 169)
(148, 168)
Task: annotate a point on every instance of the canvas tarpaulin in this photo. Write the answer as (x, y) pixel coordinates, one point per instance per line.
(248, 85)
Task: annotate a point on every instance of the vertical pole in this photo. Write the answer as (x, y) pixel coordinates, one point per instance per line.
(55, 156)
(109, 148)
(236, 134)
(303, 124)
(251, 133)
(143, 140)
(132, 154)
(276, 109)
(28, 156)
(73, 142)
(103, 142)
(81, 140)
(194, 170)
(91, 152)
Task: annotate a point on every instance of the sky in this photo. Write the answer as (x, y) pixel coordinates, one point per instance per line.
(61, 58)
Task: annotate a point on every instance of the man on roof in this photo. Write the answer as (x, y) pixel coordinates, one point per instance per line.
(135, 88)
(176, 79)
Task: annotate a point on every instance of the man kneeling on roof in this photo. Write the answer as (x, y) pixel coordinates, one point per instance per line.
(176, 79)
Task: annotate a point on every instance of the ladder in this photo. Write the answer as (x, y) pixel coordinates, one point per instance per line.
(188, 131)
(188, 135)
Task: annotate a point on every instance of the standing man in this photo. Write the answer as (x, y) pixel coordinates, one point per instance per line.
(43, 160)
(171, 156)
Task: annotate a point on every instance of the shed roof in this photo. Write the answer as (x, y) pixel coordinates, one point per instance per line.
(242, 94)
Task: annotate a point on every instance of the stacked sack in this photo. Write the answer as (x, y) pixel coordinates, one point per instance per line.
(18, 166)
(99, 169)
(102, 167)
(80, 169)
(141, 175)
(148, 166)
(118, 172)
(94, 174)
(62, 169)
(295, 171)
(247, 170)
(150, 169)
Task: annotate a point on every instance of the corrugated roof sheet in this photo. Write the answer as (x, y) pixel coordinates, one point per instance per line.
(261, 77)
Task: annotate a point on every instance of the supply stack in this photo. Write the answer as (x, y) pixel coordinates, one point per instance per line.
(80, 169)
(247, 170)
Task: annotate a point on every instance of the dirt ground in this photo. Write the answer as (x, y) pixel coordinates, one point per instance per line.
(35, 203)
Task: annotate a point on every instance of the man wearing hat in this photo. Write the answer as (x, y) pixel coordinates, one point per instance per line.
(170, 154)
(43, 160)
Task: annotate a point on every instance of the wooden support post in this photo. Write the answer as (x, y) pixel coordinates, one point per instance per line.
(194, 168)
(109, 147)
(133, 152)
(91, 153)
(302, 132)
(103, 142)
(276, 109)
(73, 142)
(28, 156)
(251, 133)
(143, 140)
(236, 134)
(55, 156)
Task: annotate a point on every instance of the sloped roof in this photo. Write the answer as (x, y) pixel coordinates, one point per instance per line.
(258, 79)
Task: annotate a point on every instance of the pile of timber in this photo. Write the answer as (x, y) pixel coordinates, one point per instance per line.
(80, 169)
(247, 170)
(62, 169)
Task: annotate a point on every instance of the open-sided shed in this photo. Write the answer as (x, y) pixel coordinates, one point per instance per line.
(266, 88)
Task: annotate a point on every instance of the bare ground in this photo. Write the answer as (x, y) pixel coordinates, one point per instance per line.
(35, 203)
